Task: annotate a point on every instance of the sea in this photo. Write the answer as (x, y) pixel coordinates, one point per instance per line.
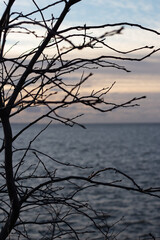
(132, 149)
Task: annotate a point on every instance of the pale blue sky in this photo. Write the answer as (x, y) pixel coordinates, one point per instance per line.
(111, 11)
(144, 78)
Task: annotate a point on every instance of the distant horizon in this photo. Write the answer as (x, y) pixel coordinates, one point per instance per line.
(88, 123)
(143, 80)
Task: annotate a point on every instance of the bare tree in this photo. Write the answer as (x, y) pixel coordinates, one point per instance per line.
(37, 78)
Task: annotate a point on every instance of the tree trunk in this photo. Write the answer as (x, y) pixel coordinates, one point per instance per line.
(11, 187)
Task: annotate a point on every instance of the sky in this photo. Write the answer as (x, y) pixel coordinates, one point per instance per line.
(144, 76)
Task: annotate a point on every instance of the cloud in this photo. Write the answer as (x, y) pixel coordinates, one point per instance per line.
(148, 111)
(144, 78)
(129, 5)
(106, 11)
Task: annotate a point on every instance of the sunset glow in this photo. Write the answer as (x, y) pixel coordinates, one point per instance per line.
(143, 78)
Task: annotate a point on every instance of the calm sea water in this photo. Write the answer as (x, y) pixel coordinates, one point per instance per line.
(131, 148)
